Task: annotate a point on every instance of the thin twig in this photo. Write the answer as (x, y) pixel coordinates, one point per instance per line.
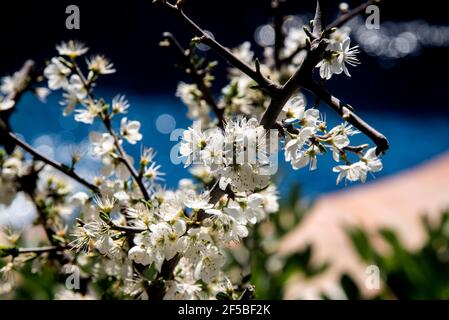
(340, 21)
(279, 36)
(344, 18)
(107, 123)
(225, 53)
(345, 111)
(40, 250)
(196, 75)
(320, 20)
(127, 229)
(116, 227)
(124, 158)
(56, 165)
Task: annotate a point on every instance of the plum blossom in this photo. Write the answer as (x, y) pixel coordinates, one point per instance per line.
(6, 104)
(71, 49)
(338, 55)
(57, 74)
(100, 65)
(130, 130)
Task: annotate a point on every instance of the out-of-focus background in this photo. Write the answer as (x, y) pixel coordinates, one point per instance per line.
(400, 88)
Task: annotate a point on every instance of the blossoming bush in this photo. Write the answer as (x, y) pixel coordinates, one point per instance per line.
(134, 238)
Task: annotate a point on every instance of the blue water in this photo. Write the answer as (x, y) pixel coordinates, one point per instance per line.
(413, 138)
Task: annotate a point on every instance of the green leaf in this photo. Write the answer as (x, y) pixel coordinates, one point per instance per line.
(246, 278)
(362, 244)
(349, 287)
(223, 296)
(104, 216)
(8, 251)
(59, 239)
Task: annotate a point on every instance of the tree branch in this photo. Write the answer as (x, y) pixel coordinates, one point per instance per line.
(196, 75)
(116, 227)
(344, 18)
(124, 159)
(302, 77)
(305, 71)
(107, 123)
(337, 23)
(56, 165)
(320, 20)
(278, 23)
(225, 53)
(40, 250)
(346, 113)
(127, 229)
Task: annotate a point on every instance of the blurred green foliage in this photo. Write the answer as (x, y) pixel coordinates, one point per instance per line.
(423, 274)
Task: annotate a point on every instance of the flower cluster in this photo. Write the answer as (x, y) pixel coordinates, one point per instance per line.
(306, 134)
(179, 226)
(309, 137)
(135, 238)
(339, 53)
(238, 156)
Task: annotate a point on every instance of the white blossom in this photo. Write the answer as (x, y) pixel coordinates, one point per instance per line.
(71, 49)
(6, 104)
(102, 143)
(57, 74)
(119, 104)
(182, 291)
(338, 55)
(353, 172)
(372, 160)
(210, 264)
(152, 173)
(88, 114)
(194, 140)
(100, 65)
(130, 130)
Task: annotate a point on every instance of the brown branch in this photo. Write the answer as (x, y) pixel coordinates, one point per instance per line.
(196, 75)
(116, 227)
(127, 229)
(305, 71)
(337, 23)
(225, 53)
(40, 250)
(107, 123)
(355, 149)
(123, 157)
(278, 23)
(303, 78)
(344, 18)
(346, 113)
(56, 165)
(320, 20)
(25, 80)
